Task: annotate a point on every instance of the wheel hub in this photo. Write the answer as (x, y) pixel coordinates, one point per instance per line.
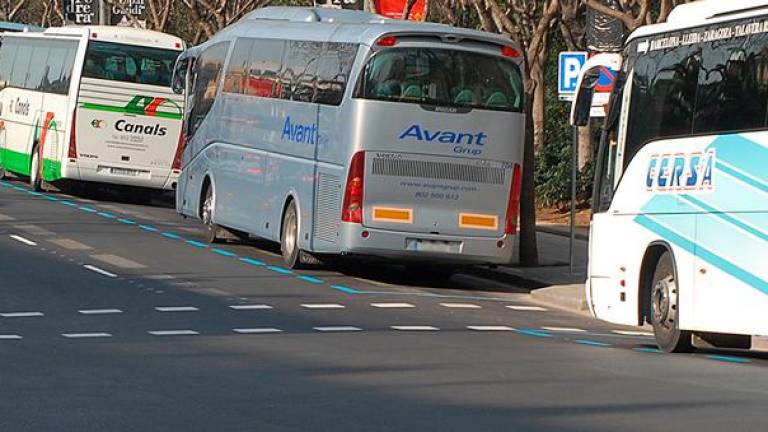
(290, 232)
(663, 301)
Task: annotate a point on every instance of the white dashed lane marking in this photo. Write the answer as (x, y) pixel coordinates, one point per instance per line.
(99, 311)
(527, 308)
(337, 329)
(564, 329)
(99, 271)
(173, 332)
(490, 328)
(631, 333)
(250, 307)
(414, 328)
(322, 306)
(392, 305)
(20, 314)
(21, 239)
(10, 337)
(260, 330)
(461, 306)
(86, 335)
(176, 309)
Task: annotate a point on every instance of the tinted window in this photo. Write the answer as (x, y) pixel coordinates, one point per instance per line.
(333, 72)
(129, 63)
(21, 65)
(445, 78)
(58, 67)
(733, 85)
(37, 66)
(7, 55)
(207, 73)
(237, 71)
(265, 68)
(299, 70)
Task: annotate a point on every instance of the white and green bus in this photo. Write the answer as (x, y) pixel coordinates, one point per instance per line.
(90, 104)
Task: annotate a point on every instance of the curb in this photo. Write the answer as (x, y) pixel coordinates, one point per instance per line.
(562, 233)
(570, 297)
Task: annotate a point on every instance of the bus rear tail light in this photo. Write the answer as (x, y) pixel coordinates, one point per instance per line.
(72, 152)
(176, 166)
(386, 41)
(508, 51)
(352, 211)
(513, 207)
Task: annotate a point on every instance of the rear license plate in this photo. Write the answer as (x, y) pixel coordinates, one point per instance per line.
(422, 245)
(124, 171)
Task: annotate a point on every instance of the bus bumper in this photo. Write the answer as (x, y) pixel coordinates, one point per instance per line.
(125, 175)
(405, 246)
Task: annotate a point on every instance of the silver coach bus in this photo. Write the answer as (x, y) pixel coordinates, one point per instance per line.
(345, 133)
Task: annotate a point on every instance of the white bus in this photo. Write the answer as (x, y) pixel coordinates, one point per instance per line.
(680, 221)
(342, 132)
(90, 104)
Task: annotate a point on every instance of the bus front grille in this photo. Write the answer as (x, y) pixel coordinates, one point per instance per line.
(438, 170)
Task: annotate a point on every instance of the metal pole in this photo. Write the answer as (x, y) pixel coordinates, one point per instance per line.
(574, 172)
(103, 16)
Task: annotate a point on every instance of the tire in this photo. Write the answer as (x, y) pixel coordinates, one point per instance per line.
(207, 208)
(34, 171)
(664, 309)
(2, 173)
(289, 237)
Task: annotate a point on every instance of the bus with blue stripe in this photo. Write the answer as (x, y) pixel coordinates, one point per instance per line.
(679, 232)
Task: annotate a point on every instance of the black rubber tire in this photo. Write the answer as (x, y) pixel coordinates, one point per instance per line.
(664, 309)
(35, 182)
(289, 237)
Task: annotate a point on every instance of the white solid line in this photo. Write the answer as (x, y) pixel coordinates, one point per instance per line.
(100, 271)
(323, 306)
(250, 307)
(415, 328)
(10, 337)
(99, 311)
(20, 314)
(392, 305)
(490, 328)
(21, 239)
(176, 309)
(631, 333)
(173, 332)
(564, 329)
(256, 330)
(461, 305)
(337, 329)
(527, 308)
(85, 335)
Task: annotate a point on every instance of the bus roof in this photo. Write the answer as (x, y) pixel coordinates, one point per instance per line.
(6, 26)
(703, 12)
(125, 35)
(338, 25)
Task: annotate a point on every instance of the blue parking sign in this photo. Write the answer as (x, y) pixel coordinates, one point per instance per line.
(569, 65)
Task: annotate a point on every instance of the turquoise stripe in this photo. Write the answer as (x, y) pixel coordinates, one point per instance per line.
(106, 215)
(148, 228)
(88, 209)
(311, 279)
(347, 290)
(223, 252)
(536, 333)
(591, 343)
(252, 261)
(170, 235)
(196, 243)
(703, 253)
(750, 181)
(726, 217)
(730, 359)
(126, 221)
(279, 270)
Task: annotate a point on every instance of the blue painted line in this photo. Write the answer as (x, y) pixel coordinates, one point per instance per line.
(51, 198)
(106, 215)
(68, 203)
(310, 279)
(33, 193)
(347, 290)
(648, 350)
(149, 228)
(126, 221)
(729, 359)
(196, 243)
(281, 270)
(223, 252)
(20, 188)
(88, 209)
(6, 184)
(252, 261)
(171, 235)
(592, 343)
(536, 333)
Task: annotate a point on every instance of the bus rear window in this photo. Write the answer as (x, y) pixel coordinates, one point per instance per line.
(443, 77)
(129, 63)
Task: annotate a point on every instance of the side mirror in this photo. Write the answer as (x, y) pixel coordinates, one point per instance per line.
(582, 104)
(179, 80)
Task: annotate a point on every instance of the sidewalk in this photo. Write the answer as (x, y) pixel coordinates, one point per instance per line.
(552, 281)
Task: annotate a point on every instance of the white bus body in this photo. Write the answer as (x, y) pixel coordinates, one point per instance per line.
(680, 222)
(91, 104)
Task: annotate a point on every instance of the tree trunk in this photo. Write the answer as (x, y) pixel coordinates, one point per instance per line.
(585, 146)
(529, 253)
(537, 76)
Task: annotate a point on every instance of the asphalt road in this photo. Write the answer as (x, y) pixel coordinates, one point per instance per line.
(115, 316)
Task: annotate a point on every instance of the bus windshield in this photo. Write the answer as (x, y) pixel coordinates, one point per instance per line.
(443, 77)
(129, 63)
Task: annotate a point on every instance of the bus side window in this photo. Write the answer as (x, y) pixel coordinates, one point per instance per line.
(608, 151)
(237, 71)
(37, 70)
(7, 55)
(333, 71)
(209, 68)
(300, 69)
(263, 76)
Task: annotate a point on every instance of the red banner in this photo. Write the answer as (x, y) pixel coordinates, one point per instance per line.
(394, 9)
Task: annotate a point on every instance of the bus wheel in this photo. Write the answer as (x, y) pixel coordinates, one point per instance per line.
(665, 309)
(289, 237)
(34, 171)
(206, 214)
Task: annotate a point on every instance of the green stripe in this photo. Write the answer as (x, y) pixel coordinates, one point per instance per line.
(110, 108)
(19, 163)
